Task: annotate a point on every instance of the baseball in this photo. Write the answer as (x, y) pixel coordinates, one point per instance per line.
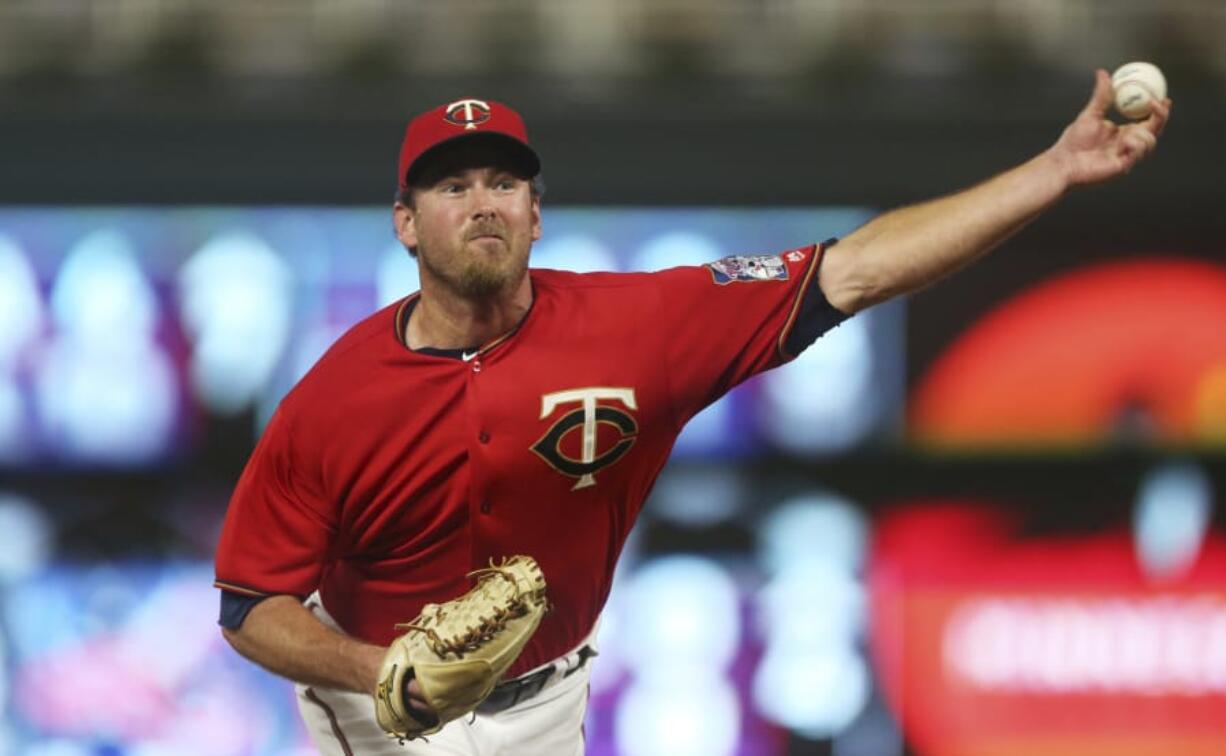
(1136, 85)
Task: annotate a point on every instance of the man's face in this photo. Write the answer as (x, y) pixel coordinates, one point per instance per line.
(472, 220)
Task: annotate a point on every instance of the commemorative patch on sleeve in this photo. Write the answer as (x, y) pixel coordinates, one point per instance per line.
(748, 268)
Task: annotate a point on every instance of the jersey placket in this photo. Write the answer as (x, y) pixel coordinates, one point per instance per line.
(480, 505)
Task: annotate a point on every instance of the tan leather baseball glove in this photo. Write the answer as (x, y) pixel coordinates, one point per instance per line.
(459, 650)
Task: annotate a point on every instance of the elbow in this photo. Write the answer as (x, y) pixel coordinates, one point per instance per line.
(847, 282)
(849, 301)
(851, 294)
(863, 298)
(238, 641)
(243, 645)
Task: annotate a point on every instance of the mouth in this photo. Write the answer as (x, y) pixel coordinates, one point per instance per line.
(489, 242)
(485, 235)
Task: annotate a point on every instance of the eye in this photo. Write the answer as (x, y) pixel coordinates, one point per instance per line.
(506, 184)
(451, 187)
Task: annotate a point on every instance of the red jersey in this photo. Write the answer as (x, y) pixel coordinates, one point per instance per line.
(387, 474)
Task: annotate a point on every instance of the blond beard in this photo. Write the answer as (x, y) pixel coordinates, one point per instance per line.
(478, 280)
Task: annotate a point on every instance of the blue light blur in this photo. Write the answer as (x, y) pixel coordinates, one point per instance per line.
(154, 314)
(20, 304)
(1172, 515)
(235, 301)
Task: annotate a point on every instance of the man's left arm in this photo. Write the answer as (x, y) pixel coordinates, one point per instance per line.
(906, 249)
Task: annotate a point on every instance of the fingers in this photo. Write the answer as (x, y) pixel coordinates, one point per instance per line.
(1159, 114)
(416, 698)
(1103, 95)
(1138, 140)
(418, 707)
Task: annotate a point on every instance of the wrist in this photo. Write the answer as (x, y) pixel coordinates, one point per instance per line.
(367, 660)
(1057, 166)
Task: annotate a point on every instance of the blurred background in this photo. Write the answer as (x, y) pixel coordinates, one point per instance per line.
(984, 519)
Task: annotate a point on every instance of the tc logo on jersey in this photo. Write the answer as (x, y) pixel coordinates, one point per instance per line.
(748, 268)
(467, 113)
(589, 415)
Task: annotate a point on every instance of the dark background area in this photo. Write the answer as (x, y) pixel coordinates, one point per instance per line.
(848, 130)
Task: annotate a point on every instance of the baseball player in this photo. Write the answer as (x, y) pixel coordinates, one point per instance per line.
(504, 410)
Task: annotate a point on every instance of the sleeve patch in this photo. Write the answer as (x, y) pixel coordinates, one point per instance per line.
(748, 268)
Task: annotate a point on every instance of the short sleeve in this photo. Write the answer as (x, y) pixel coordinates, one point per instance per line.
(728, 320)
(279, 527)
(235, 607)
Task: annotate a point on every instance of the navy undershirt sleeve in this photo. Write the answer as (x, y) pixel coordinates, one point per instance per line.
(816, 314)
(234, 608)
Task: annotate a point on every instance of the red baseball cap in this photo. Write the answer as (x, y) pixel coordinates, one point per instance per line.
(464, 118)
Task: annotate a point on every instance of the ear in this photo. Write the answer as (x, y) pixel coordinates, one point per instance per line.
(405, 221)
(536, 219)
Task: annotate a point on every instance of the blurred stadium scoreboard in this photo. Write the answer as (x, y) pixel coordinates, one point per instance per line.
(837, 591)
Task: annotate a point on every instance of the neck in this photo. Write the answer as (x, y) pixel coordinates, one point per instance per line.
(444, 320)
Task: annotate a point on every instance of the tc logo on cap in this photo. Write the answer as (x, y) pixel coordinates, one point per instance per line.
(467, 113)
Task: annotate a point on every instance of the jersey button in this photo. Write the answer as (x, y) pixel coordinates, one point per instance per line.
(483, 437)
(485, 507)
(476, 366)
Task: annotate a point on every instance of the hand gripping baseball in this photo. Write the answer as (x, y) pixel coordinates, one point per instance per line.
(458, 651)
(1094, 149)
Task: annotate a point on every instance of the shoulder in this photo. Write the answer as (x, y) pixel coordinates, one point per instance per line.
(588, 295)
(364, 344)
(645, 288)
(565, 281)
(561, 284)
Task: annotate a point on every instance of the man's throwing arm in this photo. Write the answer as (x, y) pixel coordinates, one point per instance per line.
(906, 249)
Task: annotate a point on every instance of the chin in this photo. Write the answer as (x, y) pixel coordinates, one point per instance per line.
(487, 280)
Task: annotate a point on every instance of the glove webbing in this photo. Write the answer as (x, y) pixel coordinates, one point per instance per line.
(486, 628)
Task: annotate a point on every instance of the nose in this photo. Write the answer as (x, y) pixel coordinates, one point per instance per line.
(483, 202)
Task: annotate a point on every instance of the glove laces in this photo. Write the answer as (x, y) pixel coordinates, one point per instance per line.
(483, 628)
